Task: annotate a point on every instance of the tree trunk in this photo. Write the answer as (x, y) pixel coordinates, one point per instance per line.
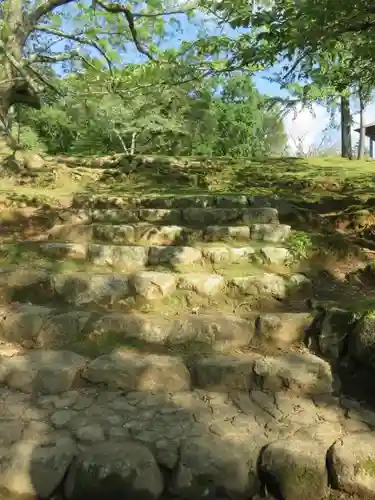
(346, 138)
(16, 86)
(362, 130)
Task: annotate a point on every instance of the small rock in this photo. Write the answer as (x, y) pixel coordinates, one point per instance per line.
(129, 371)
(296, 469)
(113, 471)
(351, 464)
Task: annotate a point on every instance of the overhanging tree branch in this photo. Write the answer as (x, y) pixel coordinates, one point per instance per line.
(42, 10)
(122, 9)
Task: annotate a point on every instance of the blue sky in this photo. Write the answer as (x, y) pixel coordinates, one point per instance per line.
(308, 125)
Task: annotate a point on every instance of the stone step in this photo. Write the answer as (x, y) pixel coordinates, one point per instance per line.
(59, 435)
(41, 371)
(194, 201)
(168, 235)
(145, 289)
(194, 217)
(133, 257)
(45, 327)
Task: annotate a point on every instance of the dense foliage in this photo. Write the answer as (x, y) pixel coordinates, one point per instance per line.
(132, 81)
(223, 117)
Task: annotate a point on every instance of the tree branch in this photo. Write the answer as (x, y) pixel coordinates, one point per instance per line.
(78, 38)
(42, 10)
(129, 16)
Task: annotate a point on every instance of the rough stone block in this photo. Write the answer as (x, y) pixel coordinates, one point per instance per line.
(130, 371)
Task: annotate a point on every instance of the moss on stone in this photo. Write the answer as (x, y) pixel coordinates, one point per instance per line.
(369, 467)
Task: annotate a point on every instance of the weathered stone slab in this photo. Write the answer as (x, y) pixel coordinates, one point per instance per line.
(224, 373)
(46, 372)
(211, 216)
(283, 329)
(62, 329)
(219, 233)
(165, 235)
(273, 233)
(202, 283)
(336, 326)
(262, 284)
(29, 469)
(160, 215)
(113, 471)
(209, 464)
(79, 232)
(84, 288)
(276, 255)
(219, 330)
(24, 324)
(174, 255)
(152, 285)
(123, 258)
(148, 328)
(231, 201)
(362, 342)
(351, 463)
(301, 373)
(129, 371)
(228, 254)
(76, 251)
(298, 468)
(121, 233)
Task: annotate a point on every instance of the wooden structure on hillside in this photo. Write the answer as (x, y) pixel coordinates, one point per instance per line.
(370, 133)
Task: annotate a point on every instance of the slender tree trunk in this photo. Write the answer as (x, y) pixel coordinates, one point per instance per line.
(346, 139)
(362, 130)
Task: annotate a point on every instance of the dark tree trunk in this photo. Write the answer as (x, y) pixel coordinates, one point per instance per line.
(346, 138)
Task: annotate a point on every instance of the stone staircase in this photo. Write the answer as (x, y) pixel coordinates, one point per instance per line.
(156, 349)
